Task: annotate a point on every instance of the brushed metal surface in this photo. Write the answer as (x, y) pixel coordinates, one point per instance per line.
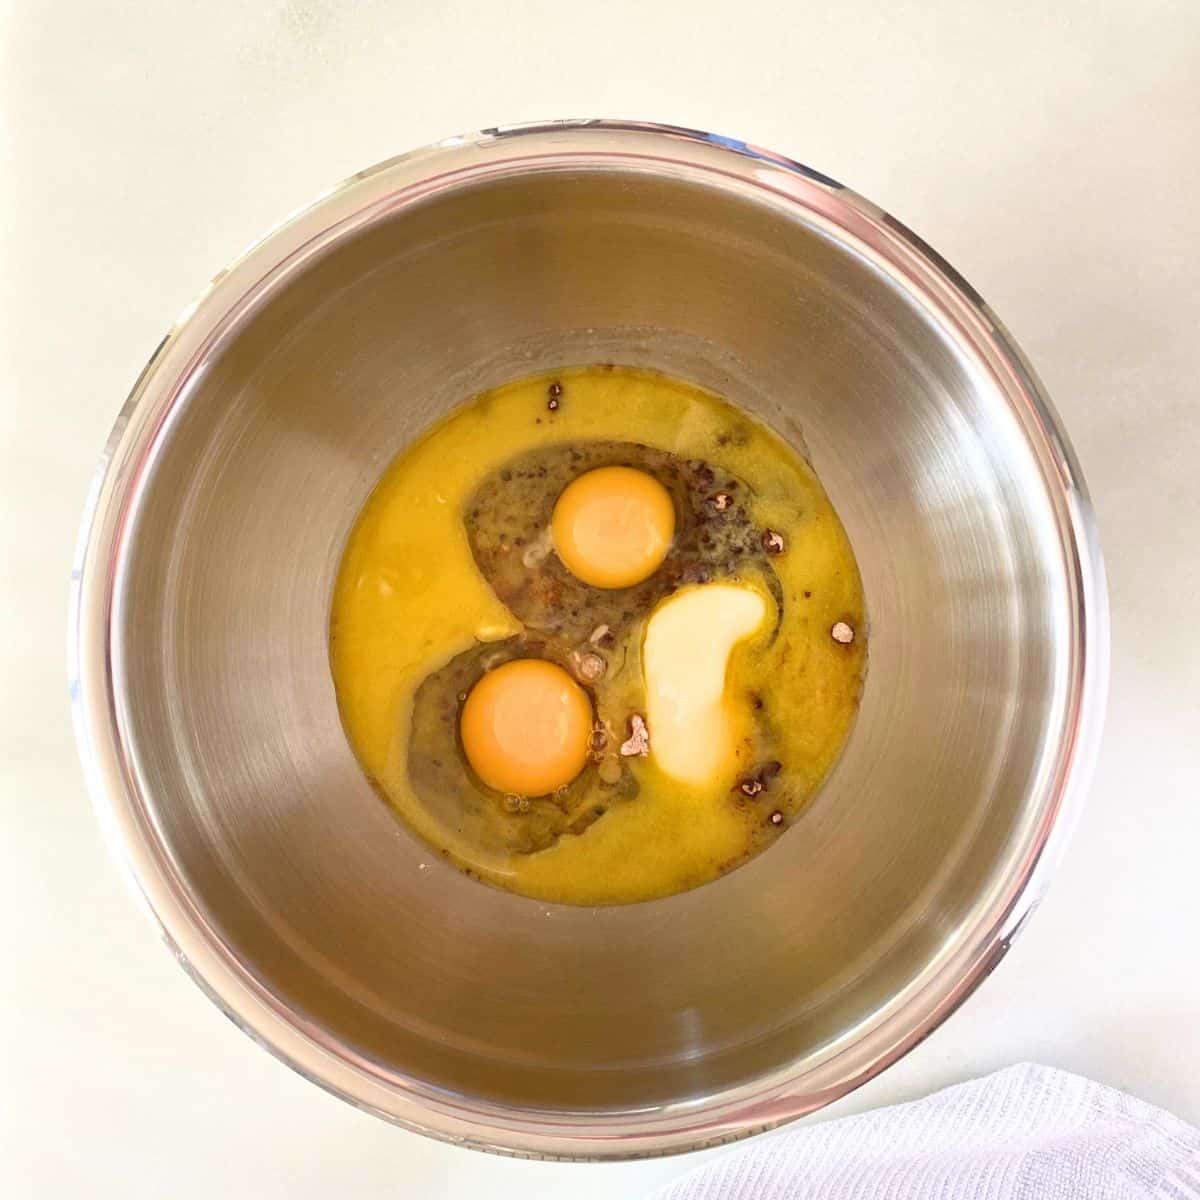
(205, 708)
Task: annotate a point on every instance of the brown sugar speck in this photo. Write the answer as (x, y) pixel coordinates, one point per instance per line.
(638, 742)
(591, 667)
(776, 818)
(772, 542)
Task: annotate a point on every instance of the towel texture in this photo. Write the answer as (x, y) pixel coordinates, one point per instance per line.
(1025, 1133)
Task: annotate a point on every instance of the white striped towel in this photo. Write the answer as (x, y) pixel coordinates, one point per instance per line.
(1025, 1133)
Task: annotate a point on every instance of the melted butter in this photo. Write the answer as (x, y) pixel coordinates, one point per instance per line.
(409, 597)
(692, 717)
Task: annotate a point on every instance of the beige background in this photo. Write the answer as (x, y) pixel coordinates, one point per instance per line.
(1051, 151)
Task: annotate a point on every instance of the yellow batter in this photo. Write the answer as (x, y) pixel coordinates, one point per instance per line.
(409, 597)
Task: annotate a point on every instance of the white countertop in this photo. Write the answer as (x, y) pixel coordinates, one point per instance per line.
(1050, 151)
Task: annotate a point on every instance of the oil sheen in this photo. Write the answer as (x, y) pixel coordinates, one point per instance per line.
(411, 601)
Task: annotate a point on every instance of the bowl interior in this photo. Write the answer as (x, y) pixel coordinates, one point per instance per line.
(368, 941)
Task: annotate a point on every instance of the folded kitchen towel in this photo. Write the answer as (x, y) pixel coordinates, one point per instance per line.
(1025, 1133)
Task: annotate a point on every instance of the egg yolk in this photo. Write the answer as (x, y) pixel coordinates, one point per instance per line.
(525, 727)
(612, 527)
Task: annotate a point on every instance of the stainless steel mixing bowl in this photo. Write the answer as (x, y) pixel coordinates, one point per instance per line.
(206, 715)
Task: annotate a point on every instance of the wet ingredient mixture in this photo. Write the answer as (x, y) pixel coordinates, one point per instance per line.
(597, 637)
